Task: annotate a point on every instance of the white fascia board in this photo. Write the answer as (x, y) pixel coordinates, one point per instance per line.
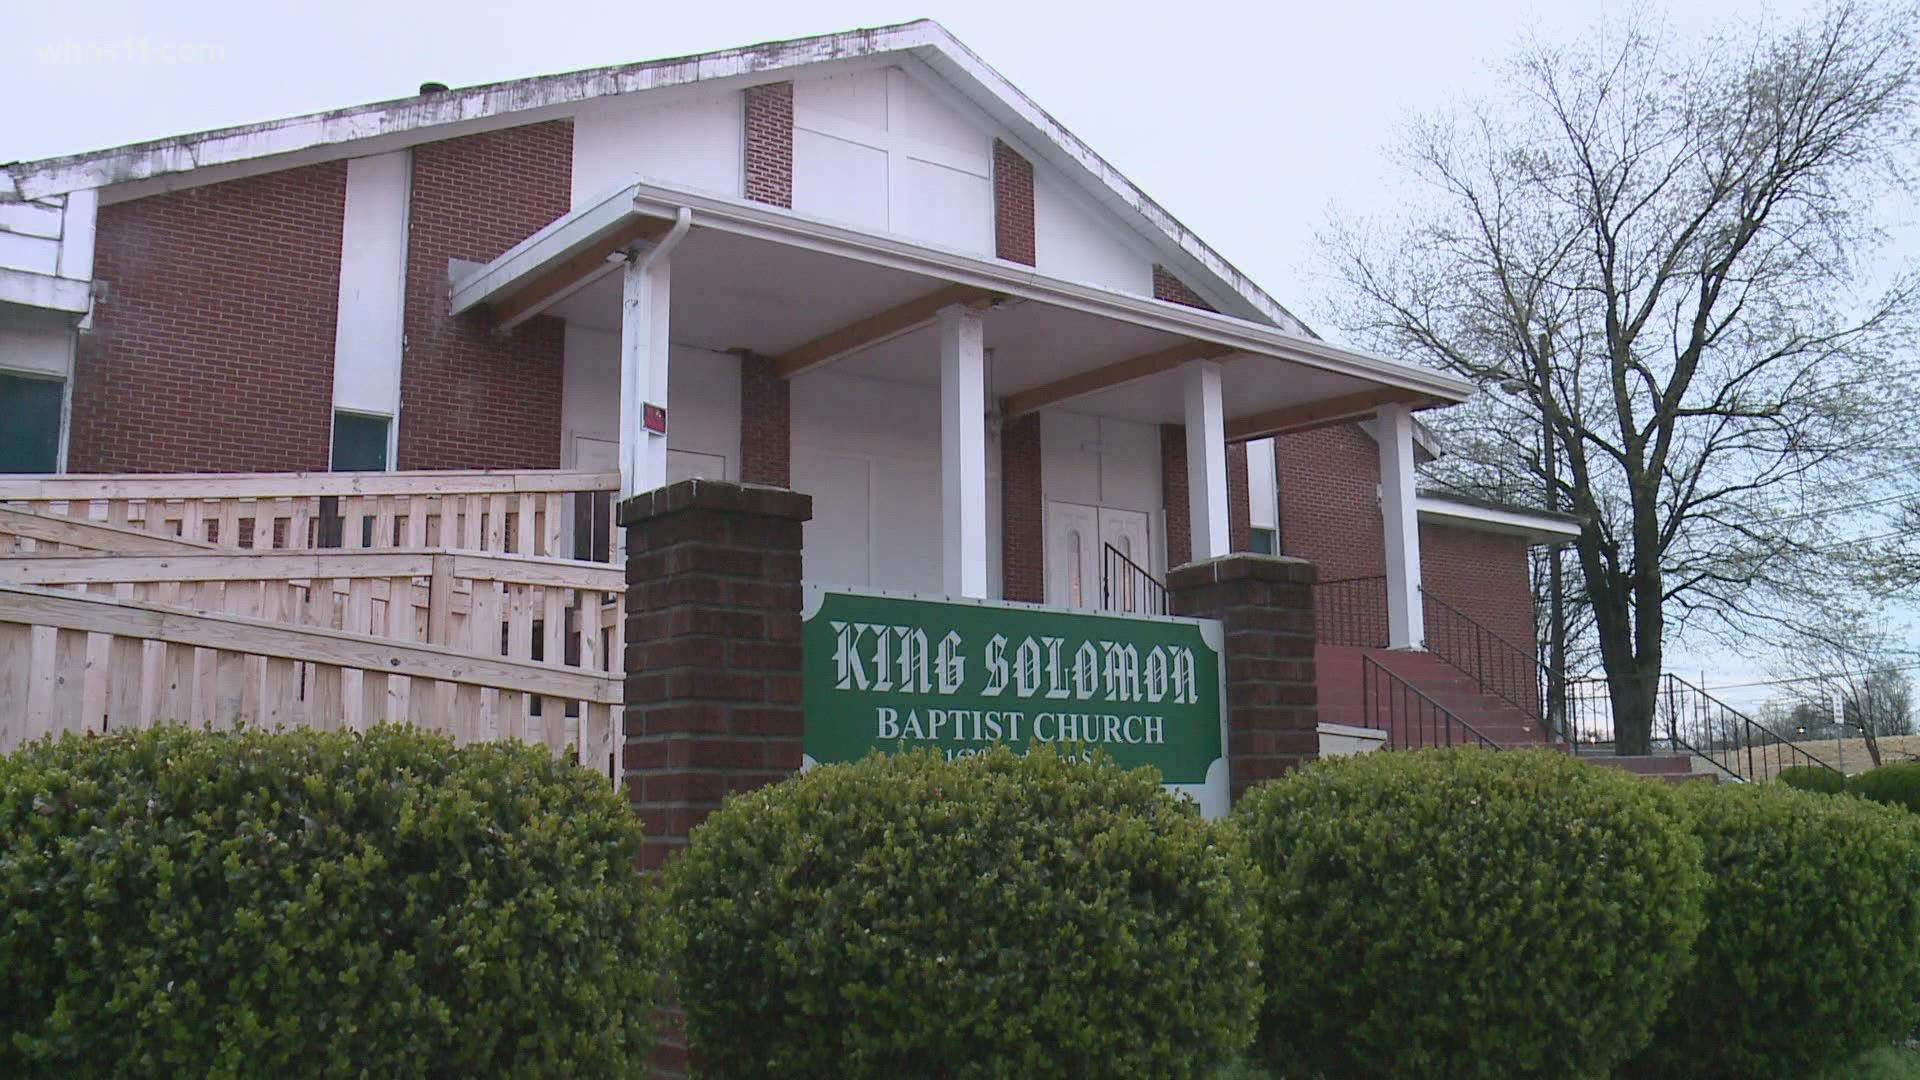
(140, 168)
(139, 161)
(45, 291)
(1541, 528)
(575, 231)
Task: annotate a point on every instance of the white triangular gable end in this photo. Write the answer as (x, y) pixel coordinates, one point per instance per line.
(894, 130)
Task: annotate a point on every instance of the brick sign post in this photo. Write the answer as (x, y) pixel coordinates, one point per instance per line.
(1266, 603)
(713, 649)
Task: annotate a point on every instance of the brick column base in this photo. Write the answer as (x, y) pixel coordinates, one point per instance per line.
(1266, 602)
(712, 662)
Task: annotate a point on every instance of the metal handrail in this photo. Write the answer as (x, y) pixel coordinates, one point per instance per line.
(1737, 758)
(1432, 724)
(1496, 665)
(1125, 585)
(1351, 611)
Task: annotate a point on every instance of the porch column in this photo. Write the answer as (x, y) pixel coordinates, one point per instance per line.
(644, 304)
(1406, 623)
(1206, 460)
(963, 453)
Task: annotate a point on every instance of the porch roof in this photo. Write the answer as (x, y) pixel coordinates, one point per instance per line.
(811, 293)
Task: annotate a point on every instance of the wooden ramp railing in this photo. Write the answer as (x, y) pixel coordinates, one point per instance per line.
(75, 662)
(528, 512)
(550, 614)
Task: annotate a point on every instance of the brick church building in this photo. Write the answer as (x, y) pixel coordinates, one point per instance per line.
(862, 266)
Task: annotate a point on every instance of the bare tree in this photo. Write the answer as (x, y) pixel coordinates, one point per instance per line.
(1859, 668)
(1654, 258)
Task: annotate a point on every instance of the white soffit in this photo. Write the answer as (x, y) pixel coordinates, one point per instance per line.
(1540, 527)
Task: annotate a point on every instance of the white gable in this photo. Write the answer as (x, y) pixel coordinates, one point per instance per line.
(691, 143)
(1075, 241)
(879, 149)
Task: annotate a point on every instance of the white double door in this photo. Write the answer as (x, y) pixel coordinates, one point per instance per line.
(1078, 537)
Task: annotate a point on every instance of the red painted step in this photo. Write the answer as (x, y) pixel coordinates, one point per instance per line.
(1342, 701)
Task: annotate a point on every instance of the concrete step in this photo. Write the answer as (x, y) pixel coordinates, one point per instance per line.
(1644, 764)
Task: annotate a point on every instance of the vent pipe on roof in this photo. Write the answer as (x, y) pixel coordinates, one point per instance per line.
(433, 88)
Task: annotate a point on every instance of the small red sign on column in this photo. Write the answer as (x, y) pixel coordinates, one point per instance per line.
(654, 418)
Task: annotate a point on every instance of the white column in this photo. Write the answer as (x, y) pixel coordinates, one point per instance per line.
(963, 453)
(1206, 460)
(1406, 622)
(645, 296)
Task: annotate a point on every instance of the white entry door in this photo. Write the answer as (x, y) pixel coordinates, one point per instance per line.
(1126, 569)
(1077, 539)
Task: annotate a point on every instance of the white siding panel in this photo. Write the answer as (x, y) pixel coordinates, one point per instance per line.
(373, 267)
(1074, 242)
(34, 341)
(1260, 484)
(859, 96)
(703, 398)
(692, 144)
(32, 253)
(948, 207)
(839, 180)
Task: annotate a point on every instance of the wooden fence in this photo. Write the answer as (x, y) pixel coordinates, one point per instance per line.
(520, 512)
(456, 616)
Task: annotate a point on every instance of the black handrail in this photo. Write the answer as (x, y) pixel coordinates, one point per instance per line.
(1514, 675)
(1351, 612)
(1411, 719)
(1127, 586)
(1689, 720)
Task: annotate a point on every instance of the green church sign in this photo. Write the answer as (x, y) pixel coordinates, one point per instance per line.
(888, 672)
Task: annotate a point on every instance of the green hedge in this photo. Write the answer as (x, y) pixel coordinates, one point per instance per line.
(1813, 778)
(1811, 951)
(1467, 913)
(994, 916)
(1895, 785)
(192, 904)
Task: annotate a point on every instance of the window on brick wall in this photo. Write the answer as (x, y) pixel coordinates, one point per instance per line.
(30, 423)
(1266, 541)
(359, 442)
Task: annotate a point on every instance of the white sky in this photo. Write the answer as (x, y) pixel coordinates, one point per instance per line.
(1248, 121)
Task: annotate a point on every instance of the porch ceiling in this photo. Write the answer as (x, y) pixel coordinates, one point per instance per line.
(768, 281)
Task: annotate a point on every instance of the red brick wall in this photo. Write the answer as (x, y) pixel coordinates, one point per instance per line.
(769, 144)
(1173, 494)
(1174, 291)
(471, 398)
(1023, 568)
(1329, 500)
(1484, 576)
(213, 351)
(1330, 515)
(766, 424)
(1012, 205)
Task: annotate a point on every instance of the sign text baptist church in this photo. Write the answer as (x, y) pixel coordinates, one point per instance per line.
(889, 672)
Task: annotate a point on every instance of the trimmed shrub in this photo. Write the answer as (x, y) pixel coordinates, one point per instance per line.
(992, 916)
(238, 903)
(1466, 913)
(1810, 954)
(1813, 778)
(1894, 785)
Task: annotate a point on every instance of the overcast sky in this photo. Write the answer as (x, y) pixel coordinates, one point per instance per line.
(1247, 121)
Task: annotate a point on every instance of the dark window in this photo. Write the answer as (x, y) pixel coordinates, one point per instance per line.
(29, 424)
(359, 443)
(1264, 541)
